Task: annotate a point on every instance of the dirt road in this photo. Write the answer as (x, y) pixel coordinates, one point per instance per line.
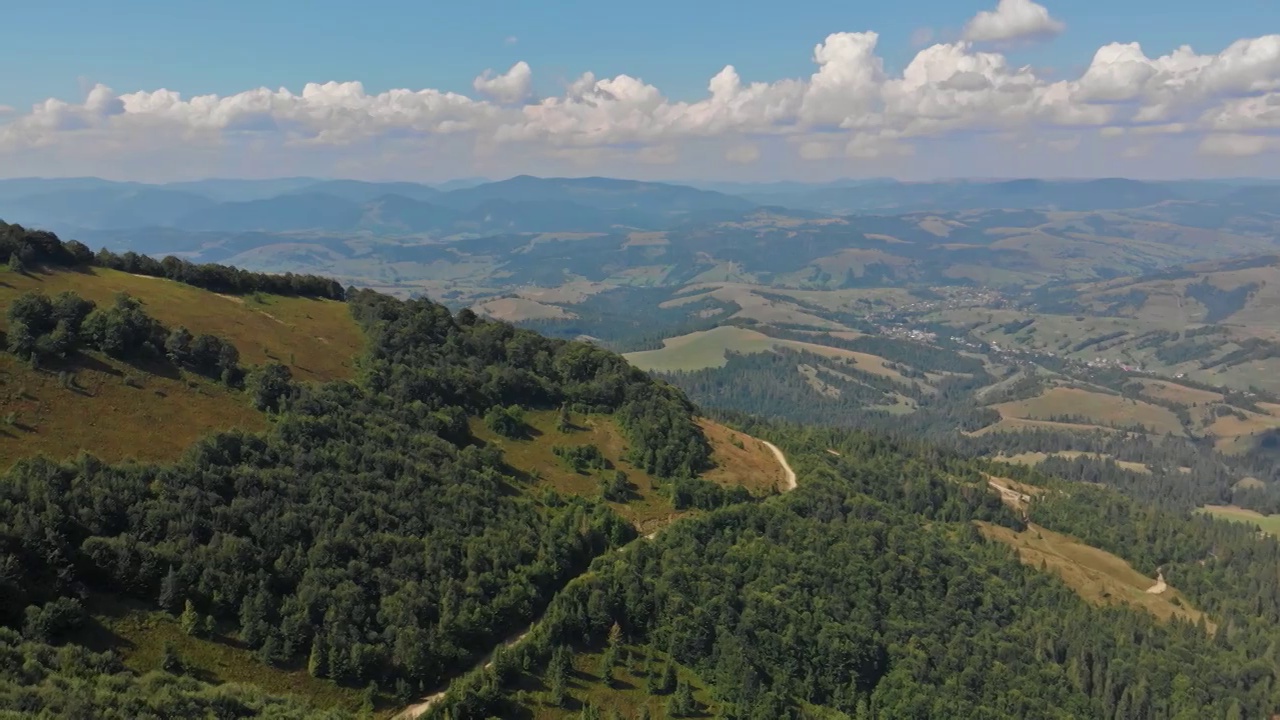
(418, 708)
(786, 466)
(1160, 585)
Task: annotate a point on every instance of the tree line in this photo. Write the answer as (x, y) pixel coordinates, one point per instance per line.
(23, 249)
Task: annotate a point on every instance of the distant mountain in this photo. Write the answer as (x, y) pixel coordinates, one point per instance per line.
(358, 191)
(599, 193)
(278, 214)
(104, 207)
(880, 197)
(520, 204)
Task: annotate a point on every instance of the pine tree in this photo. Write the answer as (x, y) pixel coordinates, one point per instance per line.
(253, 619)
(668, 681)
(190, 621)
(317, 662)
(169, 591)
(564, 422)
(682, 700)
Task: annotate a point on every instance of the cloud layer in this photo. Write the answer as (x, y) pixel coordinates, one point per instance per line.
(851, 113)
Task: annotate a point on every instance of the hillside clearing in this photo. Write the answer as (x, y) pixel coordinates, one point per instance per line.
(1098, 408)
(318, 339)
(707, 348)
(1096, 575)
(753, 466)
(1035, 458)
(1269, 524)
(112, 410)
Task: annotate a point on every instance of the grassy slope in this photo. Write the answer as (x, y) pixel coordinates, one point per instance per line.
(752, 466)
(1269, 523)
(1108, 410)
(139, 636)
(1098, 576)
(319, 334)
(1035, 458)
(161, 413)
(706, 349)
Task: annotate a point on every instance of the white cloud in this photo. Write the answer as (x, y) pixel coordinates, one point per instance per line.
(1235, 145)
(849, 108)
(1013, 20)
(513, 86)
(511, 40)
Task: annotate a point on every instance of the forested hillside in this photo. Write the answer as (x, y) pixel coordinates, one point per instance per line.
(365, 536)
(381, 531)
(870, 592)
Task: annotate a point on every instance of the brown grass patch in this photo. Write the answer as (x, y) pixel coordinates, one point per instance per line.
(1096, 575)
(1035, 458)
(752, 466)
(518, 309)
(1110, 410)
(1180, 394)
(102, 415)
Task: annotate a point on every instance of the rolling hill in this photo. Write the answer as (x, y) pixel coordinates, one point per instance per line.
(388, 492)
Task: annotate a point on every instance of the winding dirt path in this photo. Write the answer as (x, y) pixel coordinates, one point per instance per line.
(786, 466)
(1160, 585)
(420, 707)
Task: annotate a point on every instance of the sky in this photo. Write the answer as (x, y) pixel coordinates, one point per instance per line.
(693, 90)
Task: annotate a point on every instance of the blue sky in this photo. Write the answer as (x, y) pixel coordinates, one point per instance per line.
(228, 46)
(1133, 117)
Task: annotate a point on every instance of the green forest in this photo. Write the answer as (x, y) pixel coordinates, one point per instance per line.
(370, 540)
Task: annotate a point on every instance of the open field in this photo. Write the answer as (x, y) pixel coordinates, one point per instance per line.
(1035, 458)
(516, 310)
(1176, 393)
(139, 634)
(1235, 434)
(752, 466)
(318, 339)
(1098, 576)
(1270, 524)
(1099, 408)
(1012, 424)
(156, 418)
(707, 348)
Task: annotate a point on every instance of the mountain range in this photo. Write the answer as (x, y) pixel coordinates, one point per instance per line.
(593, 204)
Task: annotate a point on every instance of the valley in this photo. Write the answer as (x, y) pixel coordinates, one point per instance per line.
(678, 454)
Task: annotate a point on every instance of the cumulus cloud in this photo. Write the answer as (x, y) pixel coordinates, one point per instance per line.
(513, 86)
(1013, 20)
(849, 108)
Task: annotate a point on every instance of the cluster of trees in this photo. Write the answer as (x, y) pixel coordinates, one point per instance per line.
(40, 680)
(365, 535)
(869, 590)
(772, 385)
(42, 327)
(23, 249)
